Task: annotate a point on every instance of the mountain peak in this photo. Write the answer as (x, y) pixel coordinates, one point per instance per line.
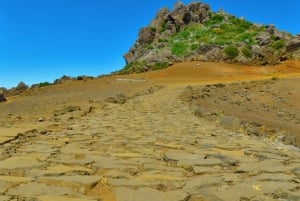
(194, 32)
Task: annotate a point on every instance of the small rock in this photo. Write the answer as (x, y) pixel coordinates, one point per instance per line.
(66, 110)
(43, 132)
(41, 119)
(119, 99)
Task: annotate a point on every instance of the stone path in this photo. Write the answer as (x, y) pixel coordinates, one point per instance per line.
(150, 148)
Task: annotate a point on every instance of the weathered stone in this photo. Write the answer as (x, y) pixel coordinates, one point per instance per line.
(197, 183)
(206, 169)
(2, 97)
(268, 166)
(119, 99)
(36, 189)
(19, 162)
(74, 181)
(4, 198)
(148, 194)
(14, 179)
(230, 122)
(66, 110)
(59, 170)
(63, 198)
(146, 36)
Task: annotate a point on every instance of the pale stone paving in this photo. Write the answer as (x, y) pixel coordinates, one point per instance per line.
(150, 148)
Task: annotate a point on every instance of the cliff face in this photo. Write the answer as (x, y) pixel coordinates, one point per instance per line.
(194, 32)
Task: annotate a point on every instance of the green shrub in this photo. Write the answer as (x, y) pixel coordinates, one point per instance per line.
(214, 19)
(179, 48)
(159, 65)
(247, 52)
(231, 52)
(153, 29)
(194, 47)
(132, 67)
(278, 45)
(163, 26)
(44, 84)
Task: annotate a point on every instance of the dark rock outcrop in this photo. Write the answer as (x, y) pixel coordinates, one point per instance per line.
(21, 86)
(194, 32)
(2, 97)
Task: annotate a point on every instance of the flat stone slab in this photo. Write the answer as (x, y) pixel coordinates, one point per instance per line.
(206, 169)
(148, 194)
(184, 158)
(127, 155)
(75, 180)
(267, 166)
(19, 163)
(35, 189)
(13, 179)
(203, 181)
(4, 198)
(62, 198)
(169, 145)
(59, 170)
(160, 176)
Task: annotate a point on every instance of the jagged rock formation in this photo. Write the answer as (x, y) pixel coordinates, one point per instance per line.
(194, 32)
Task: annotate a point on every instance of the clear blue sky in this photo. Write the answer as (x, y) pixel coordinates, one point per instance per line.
(41, 40)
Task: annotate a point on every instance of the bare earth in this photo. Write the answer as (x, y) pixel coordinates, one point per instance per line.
(70, 142)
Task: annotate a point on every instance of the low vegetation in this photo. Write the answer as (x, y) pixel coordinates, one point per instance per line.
(214, 36)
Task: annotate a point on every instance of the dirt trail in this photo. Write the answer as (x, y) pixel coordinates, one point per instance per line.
(152, 147)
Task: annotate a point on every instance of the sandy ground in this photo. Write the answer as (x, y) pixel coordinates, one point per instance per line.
(271, 103)
(73, 142)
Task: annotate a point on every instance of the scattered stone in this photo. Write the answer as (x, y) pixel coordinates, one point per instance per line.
(44, 131)
(119, 99)
(41, 119)
(66, 110)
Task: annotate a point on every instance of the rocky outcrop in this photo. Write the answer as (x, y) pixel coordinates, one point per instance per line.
(194, 32)
(21, 86)
(2, 97)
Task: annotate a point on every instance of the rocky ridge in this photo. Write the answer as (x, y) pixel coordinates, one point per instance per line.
(193, 32)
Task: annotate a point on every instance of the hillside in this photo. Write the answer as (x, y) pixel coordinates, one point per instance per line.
(193, 32)
(196, 131)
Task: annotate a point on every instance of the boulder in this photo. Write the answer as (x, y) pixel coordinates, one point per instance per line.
(264, 55)
(263, 38)
(293, 44)
(2, 97)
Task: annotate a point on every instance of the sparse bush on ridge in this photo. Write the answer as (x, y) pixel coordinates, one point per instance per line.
(277, 45)
(231, 52)
(44, 84)
(247, 52)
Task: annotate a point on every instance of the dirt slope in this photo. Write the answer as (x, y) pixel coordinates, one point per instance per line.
(69, 142)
